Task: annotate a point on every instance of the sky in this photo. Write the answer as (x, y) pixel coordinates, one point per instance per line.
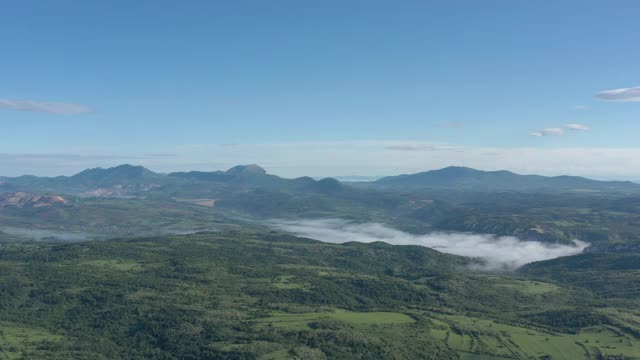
(321, 88)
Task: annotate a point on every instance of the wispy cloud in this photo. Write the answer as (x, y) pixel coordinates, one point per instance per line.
(499, 252)
(631, 94)
(577, 127)
(56, 108)
(559, 131)
(581, 107)
(548, 132)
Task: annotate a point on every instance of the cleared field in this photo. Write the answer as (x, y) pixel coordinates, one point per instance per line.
(302, 352)
(531, 287)
(114, 264)
(287, 282)
(14, 339)
(276, 355)
(475, 337)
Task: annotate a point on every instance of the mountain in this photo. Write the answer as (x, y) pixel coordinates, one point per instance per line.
(245, 176)
(327, 185)
(455, 177)
(119, 175)
(129, 180)
(30, 183)
(121, 180)
(247, 170)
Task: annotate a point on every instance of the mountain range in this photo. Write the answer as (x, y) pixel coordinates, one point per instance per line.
(130, 180)
(468, 178)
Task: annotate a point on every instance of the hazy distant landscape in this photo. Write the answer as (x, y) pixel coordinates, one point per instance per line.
(235, 254)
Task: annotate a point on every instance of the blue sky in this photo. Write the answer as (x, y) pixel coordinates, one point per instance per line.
(321, 87)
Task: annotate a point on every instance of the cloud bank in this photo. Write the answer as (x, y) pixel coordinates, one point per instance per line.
(631, 94)
(56, 108)
(499, 252)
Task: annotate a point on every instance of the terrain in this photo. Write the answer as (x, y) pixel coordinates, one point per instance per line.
(128, 263)
(268, 295)
(22, 200)
(553, 210)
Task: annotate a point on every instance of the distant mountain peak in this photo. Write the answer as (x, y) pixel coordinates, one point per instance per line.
(124, 169)
(457, 169)
(252, 169)
(118, 175)
(328, 185)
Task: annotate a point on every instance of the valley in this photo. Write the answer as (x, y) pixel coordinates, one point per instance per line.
(137, 275)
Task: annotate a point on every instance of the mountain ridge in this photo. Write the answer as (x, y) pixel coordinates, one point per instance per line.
(138, 178)
(468, 178)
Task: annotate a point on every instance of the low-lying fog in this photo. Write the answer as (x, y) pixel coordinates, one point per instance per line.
(37, 234)
(499, 252)
(52, 235)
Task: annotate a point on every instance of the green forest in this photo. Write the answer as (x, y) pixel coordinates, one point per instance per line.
(267, 295)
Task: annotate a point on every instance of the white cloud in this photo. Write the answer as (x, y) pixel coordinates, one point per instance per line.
(581, 107)
(48, 107)
(631, 94)
(548, 132)
(577, 127)
(559, 131)
(499, 252)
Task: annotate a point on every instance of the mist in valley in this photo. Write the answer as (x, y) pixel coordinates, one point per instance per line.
(43, 234)
(499, 253)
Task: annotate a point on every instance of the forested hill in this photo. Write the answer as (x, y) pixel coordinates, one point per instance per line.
(254, 294)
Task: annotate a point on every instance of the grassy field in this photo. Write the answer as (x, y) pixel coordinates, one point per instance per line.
(490, 338)
(14, 339)
(529, 287)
